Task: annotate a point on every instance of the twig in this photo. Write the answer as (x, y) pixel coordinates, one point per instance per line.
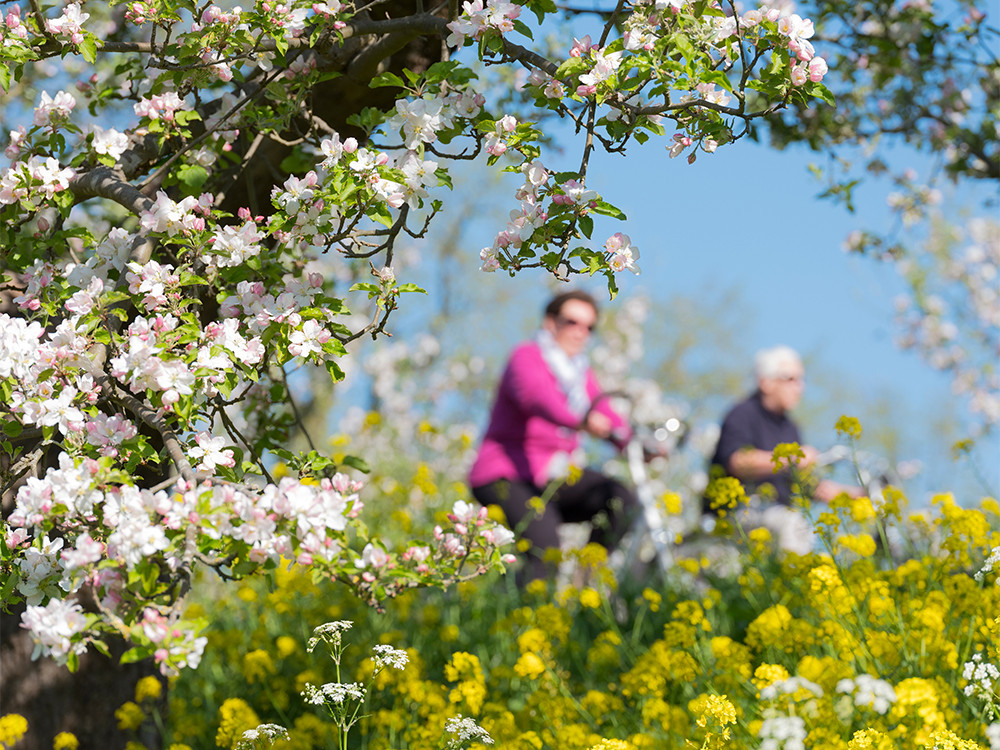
(295, 409)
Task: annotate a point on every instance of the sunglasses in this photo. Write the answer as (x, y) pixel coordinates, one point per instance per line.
(563, 321)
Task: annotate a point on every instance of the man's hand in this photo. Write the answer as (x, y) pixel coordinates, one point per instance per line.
(827, 490)
(811, 454)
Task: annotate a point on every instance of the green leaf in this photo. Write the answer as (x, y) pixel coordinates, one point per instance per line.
(336, 374)
(387, 79)
(718, 78)
(522, 27)
(138, 653)
(822, 93)
(356, 463)
(192, 176)
(410, 288)
(684, 46)
(606, 209)
(586, 224)
(7, 592)
(88, 48)
(379, 212)
(184, 116)
(572, 68)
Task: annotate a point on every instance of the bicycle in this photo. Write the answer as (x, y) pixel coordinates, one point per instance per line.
(651, 537)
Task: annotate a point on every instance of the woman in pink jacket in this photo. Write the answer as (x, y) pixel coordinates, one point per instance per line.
(542, 404)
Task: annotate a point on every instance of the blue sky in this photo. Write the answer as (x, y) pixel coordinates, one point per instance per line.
(747, 219)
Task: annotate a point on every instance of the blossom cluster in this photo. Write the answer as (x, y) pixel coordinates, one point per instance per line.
(955, 323)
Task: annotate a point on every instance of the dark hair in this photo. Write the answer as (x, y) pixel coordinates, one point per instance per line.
(555, 305)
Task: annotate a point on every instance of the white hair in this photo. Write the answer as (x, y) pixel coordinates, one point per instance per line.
(776, 362)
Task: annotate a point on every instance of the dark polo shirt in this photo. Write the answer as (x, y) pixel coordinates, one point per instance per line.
(749, 424)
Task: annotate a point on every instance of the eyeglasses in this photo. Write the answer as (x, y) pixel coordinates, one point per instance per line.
(563, 321)
(791, 378)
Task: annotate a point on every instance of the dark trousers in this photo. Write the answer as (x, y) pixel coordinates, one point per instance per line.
(602, 500)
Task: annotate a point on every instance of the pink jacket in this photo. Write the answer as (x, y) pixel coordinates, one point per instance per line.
(530, 422)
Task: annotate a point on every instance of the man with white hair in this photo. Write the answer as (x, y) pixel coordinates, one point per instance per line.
(754, 427)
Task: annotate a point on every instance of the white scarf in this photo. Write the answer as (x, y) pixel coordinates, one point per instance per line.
(570, 372)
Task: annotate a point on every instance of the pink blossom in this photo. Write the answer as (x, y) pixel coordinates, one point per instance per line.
(13, 149)
(490, 260)
(69, 24)
(53, 628)
(798, 31)
(817, 69)
(374, 557)
(581, 46)
(622, 254)
(308, 340)
(212, 453)
(159, 106)
(52, 111)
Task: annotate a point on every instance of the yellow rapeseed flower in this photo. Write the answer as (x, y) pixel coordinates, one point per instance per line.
(893, 501)
(555, 621)
(862, 510)
(654, 599)
(717, 708)
(760, 540)
(671, 503)
(592, 555)
(945, 739)
(465, 669)
(990, 505)
(870, 739)
(613, 745)
(724, 494)
(861, 545)
(148, 688)
(539, 587)
(604, 652)
(463, 666)
(130, 716)
(530, 666)
(286, 646)
(12, 728)
(533, 640)
(495, 513)
(65, 741)
(769, 627)
(590, 598)
(257, 665)
(235, 717)
(691, 612)
(768, 674)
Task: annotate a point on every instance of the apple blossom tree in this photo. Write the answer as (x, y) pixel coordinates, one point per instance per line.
(182, 178)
